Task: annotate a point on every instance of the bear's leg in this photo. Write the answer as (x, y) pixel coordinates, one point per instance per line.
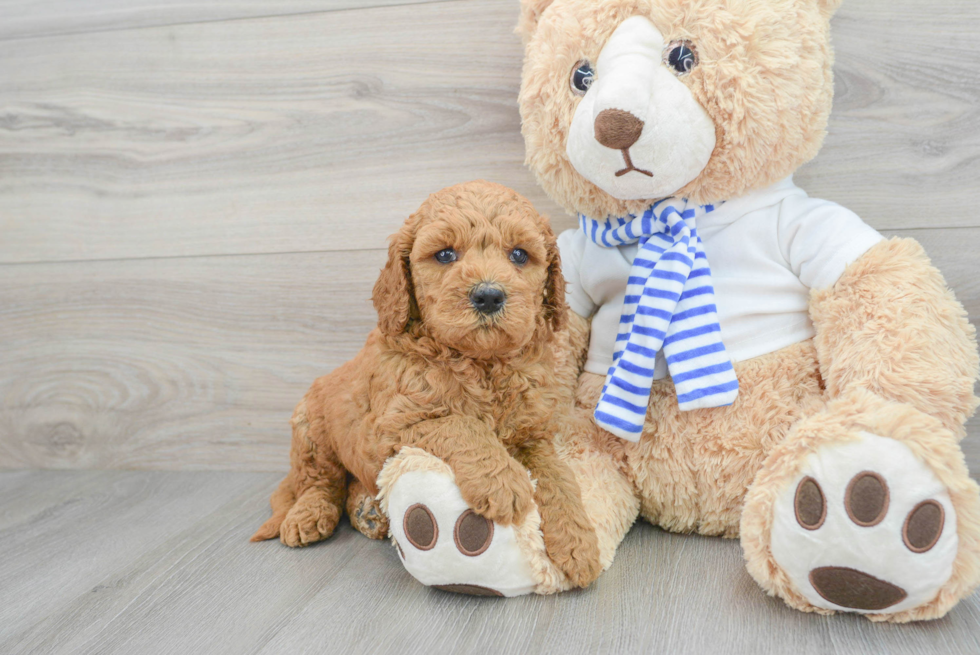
(443, 543)
(867, 506)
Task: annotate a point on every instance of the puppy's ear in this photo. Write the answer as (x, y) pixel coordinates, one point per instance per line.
(531, 11)
(554, 286)
(394, 295)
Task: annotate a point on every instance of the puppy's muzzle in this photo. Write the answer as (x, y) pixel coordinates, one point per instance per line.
(488, 298)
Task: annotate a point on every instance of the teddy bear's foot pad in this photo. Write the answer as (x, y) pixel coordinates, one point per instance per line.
(445, 544)
(865, 527)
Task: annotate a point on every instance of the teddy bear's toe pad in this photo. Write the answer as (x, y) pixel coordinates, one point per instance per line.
(445, 544)
(865, 527)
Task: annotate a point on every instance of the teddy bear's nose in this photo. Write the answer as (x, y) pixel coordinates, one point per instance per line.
(617, 129)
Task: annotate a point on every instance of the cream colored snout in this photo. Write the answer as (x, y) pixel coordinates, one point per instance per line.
(639, 133)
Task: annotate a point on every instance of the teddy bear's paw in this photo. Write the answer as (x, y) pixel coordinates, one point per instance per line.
(443, 543)
(866, 527)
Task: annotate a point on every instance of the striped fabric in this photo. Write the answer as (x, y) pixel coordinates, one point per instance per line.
(669, 305)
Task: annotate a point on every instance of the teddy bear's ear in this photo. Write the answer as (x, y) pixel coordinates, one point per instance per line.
(828, 7)
(531, 11)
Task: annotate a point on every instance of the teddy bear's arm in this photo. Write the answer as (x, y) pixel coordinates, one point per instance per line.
(890, 325)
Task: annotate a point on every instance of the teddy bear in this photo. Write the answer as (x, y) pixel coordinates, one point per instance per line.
(756, 363)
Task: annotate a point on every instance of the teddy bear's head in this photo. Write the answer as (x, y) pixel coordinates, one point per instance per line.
(624, 102)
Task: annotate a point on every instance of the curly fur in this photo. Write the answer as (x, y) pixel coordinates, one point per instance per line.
(485, 394)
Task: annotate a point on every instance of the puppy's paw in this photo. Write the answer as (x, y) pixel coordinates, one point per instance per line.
(574, 549)
(311, 519)
(365, 514)
(505, 497)
(865, 527)
(444, 543)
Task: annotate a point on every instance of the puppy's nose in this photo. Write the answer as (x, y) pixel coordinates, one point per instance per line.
(487, 298)
(617, 129)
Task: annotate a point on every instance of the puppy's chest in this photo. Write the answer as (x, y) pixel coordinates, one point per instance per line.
(509, 397)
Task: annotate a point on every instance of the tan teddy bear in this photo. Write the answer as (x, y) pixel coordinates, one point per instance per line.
(762, 364)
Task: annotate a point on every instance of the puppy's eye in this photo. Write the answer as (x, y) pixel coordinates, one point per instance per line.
(582, 77)
(681, 57)
(518, 256)
(446, 256)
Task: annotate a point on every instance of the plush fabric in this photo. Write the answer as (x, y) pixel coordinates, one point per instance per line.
(841, 421)
(765, 80)
(691, 469)
(607, 141)
(767, 251)
(885, 375)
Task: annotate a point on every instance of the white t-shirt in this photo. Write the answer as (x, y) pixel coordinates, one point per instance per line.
(766, 250)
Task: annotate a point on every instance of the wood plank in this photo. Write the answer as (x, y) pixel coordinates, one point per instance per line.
(84, 525)
(324, 131)
(196, 363)
(316, 132)
(34, 18)
(173, 363)
(903, 141)
(152, 581)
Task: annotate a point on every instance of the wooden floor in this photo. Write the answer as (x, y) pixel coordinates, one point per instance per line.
(194, 201)
(159, 562)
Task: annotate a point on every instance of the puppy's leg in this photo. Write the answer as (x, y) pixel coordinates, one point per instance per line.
(365, 512)
(282, 499)
(321, 487)
(492, 482)
(310, 501)
(316, 512)
(569, 537)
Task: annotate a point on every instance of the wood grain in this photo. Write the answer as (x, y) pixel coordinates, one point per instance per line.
(33, 18)
(159, 562)
(324, 131)
(904, 138)
(192, 215)
(64, 533)
(196, 363)
(173, 363)
(302, 133)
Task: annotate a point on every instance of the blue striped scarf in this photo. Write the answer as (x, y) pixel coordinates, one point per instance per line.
(669, 304)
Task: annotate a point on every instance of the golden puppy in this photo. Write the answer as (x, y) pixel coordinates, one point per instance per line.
(469, 362)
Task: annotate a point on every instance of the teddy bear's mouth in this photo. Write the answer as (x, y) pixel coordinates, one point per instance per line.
(630, 167)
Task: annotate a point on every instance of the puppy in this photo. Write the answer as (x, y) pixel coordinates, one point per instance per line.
(469, 362)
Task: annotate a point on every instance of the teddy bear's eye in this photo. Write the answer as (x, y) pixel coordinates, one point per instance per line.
(582, 76)
(446, 256)
(681, 57)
